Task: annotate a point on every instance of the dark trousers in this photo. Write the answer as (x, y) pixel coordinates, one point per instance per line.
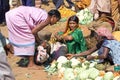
(70, 3)
(28, 2)
(58, 3)
(4, 7)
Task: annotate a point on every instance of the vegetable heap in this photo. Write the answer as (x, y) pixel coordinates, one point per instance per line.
(78, 69)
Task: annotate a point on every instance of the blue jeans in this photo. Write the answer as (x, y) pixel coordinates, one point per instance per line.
(28, 2)
(58, 3)
(4, 7)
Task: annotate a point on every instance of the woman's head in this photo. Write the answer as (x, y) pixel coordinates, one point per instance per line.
(73, 22)
(104, 32)
(55, 16)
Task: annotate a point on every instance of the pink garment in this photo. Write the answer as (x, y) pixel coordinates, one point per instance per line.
(102, 31)
(20, 22)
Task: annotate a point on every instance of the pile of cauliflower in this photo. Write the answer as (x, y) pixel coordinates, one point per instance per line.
(74, 69)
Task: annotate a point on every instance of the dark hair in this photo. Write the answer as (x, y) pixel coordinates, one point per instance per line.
(74, 18)
(54, 12)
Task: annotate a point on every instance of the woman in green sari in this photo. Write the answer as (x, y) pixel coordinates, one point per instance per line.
(73, 36)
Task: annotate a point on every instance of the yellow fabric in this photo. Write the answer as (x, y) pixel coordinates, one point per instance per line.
(65, 13)
(68, 32)
(83, 4)
(116, 35)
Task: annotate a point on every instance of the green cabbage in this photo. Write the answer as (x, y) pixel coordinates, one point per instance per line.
(84, 75)
(68, 74)
(74, 62)
(108, 76)
(93, 73)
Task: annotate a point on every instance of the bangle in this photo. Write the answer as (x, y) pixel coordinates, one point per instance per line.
(96, 57)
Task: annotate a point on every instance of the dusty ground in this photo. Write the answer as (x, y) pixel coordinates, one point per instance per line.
(24, 73)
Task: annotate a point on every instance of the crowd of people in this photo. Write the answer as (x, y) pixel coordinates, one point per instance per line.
(24, 22)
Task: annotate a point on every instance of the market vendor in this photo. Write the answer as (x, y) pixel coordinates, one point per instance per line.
(73, 36)
(107, 45)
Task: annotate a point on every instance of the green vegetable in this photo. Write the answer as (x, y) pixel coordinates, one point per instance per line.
(93, 73)
(99, 78)
(117, 78)
(108, 76)
(74, 62)
(68, 74)
(84, 75)
(85, 64)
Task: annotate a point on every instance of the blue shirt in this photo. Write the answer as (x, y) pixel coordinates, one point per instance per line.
(114, 47)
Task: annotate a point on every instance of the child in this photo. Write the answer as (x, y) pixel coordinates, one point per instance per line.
(42, 53)
(73, 36)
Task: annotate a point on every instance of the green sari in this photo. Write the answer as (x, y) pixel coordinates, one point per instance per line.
(78, 44)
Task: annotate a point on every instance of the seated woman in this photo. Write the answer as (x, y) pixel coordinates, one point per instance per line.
(73, 36)
(107, 45)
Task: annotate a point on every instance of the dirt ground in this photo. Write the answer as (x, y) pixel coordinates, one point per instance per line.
(23, 73)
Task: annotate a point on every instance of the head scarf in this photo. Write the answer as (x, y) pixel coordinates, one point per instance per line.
(102, 31)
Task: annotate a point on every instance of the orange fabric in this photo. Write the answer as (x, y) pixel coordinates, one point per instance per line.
(83, 4)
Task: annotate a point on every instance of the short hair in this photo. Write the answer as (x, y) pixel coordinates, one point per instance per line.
(54, 12)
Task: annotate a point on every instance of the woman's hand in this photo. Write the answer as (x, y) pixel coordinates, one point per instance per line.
(89, 57)
(58, 36)
(69, 56)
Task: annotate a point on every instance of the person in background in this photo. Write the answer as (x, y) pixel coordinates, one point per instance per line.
(99, 9)
(108, 47)
(44, 2)
(4, 7)
(28, 2)
(73, 37)
(6, 44)
(5, 69)
(59, 3)
(23, 24)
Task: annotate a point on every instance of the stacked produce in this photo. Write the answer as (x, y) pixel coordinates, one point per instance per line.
(66, 13)
(79, 69)
(85, 16)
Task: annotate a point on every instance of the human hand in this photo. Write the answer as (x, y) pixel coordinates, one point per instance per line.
(89, 57)
(69, 56)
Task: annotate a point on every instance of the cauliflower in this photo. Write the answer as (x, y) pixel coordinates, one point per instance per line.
(84, 75)
(93, 73)
(85, 64)
(92, 64)
(68, 74)
(108, 76)
(62, 59)
(117, 78)
(74, 62)
(99, 78)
